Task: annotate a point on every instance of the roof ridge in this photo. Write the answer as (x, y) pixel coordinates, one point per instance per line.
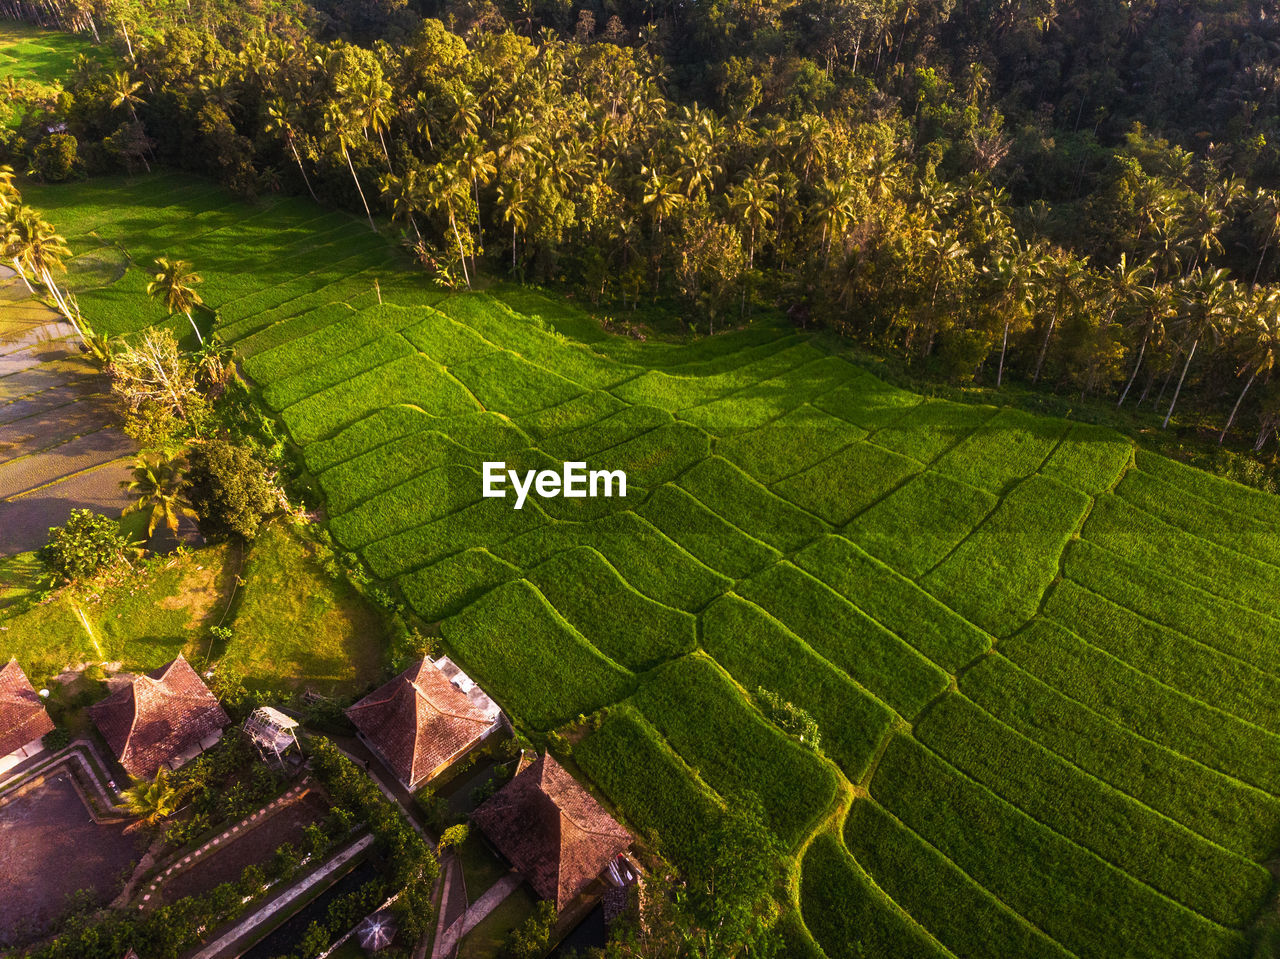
(474, 717)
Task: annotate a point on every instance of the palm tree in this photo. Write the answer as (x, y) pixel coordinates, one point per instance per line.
(659, 195)
(157, 482)
(1062, 277)
(1264, 349)
(124, 92)
(1207, 300)
(835, 207)
(1153, 306)
(1265, 218)
(754, 201)
(32, 244)
(175, 284)
(1014, 278)
(514, 203)
(279, 120)
(336, 124)
(154, 801)
(405, 194)
(444, 191)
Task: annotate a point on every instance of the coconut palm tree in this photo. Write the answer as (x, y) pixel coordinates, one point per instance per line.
(33, 245)
(157, 483)
(754, 201)
(154, 801)
(174, 284)
(337, 125)
(446, 190)
(1153, 306)
(1263, 351)
(1206, 303)
(281, 121)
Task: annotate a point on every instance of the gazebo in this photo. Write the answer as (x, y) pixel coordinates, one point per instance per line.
(272, 732)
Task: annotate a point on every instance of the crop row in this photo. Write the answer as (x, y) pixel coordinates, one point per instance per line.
(1220, 524)
(847, 482)
(739, 499)
(1089, 906)
(1008, 447)
(657, 456)
(1219, 885)
(629, 628)
(895, 602)
(918, 524)
(759, 652)
(739, 754)
(445, 340)
(316, 336)
(508, 384)
(655, 790)
(648, 560)
(1224, 810)
(708, 537)
(575, 414)
(487, 523)
(789, 444)
(282, 393)
(850, 917)
(386, 467)
(1089, 458)
(537, 666)
(868, 402)
(1186, 664)
(412, 379)
(287, 322)
(928, 430)
(762, 402)
(962, 915)
(1158, 712)
(428, 496)
(499, 324)
(682, 391)
(1156, 595)
(996, 577)
(1145, 540)
(445, 587)
(627, 424)
(879, 660)
(1247, 503)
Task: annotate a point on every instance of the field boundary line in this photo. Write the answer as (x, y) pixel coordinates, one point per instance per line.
(1000, 903)
(1136, 733)
(1106, 785)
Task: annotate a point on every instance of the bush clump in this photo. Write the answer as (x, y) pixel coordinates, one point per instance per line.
(229, 490)
(89, 543)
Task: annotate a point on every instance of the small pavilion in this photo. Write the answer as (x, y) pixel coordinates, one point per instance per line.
(272, 732)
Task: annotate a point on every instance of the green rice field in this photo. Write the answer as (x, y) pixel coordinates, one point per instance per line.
(1043, 664)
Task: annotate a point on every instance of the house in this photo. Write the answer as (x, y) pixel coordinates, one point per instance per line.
(424, 720)
(552, 830)
(165, 718)
(23, 719)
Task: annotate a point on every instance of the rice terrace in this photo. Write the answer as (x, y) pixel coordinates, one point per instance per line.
(1043, 663)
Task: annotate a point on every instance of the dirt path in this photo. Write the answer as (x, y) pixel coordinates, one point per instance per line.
(60, 445)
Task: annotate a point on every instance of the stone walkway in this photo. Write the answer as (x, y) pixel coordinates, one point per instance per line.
(446, 941)
(242, 929)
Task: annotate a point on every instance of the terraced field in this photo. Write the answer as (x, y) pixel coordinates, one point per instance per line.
(1044, 666)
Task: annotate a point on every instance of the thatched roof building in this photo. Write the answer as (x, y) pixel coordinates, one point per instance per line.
(164, 718)
(425, 719)
(23, 719)
(552, 830)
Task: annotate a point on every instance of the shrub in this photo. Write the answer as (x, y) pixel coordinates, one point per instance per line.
(54, 158)
(228, 487)
(530, 939)
(87, 544)
(790, 718)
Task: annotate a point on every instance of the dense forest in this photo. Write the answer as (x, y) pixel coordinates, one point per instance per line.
(1076, 194)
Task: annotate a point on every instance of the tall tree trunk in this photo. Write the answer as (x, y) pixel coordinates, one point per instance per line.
(301, 169)
(1044, 347)
(1178, 389)
(196, 329)
(1258, 269)
(1004, 346)
(352, 167)
(462, 253)
(17, 268)
(1236, 409)
(1136, 366)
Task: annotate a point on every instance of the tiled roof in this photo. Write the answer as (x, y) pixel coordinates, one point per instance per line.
(22, 714)
(552, 830)
(418, 720)
(158, 717)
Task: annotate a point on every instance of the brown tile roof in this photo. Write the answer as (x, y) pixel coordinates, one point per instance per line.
(157, 717)
(418, 721)
(552, 830)
(22, 714)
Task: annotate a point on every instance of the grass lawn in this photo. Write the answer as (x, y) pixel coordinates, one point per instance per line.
(486, 939)
(481, 868)
(291, 621)
(42, 56)
(793, 526)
